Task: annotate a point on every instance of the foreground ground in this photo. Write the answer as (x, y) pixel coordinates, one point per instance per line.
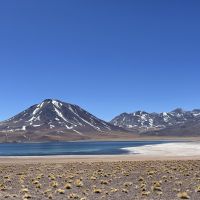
(94, 180)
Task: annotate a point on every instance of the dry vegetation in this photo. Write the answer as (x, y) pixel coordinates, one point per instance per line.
(153, 180)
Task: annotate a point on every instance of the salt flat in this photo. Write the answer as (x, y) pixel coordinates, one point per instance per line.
(167, 149)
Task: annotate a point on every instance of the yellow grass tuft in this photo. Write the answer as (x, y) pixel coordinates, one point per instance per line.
(183, 195)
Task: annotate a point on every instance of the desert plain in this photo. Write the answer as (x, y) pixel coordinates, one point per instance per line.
(125, 177)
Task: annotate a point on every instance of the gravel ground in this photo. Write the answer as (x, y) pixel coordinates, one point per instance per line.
(123, 180)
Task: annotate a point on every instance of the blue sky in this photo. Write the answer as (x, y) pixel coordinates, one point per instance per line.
(106, 56)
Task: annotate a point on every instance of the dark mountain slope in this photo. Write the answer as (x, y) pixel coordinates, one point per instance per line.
(55, 119)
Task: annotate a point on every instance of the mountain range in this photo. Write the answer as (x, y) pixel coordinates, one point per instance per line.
(54, 120)
(176, 122)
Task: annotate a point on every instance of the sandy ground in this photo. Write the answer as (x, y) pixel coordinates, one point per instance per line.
(89, 159)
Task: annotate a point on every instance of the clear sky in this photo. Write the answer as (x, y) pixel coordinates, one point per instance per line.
(108, 56)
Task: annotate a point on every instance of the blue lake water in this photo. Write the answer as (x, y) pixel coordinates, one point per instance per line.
(71, 148)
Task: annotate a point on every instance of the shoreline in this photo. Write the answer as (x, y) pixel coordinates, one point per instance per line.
(118, 139)
(89, 159)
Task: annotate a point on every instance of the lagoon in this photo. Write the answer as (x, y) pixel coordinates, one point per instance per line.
(73, 148)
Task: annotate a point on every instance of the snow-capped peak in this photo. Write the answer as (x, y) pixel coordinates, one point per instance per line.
(56, 115)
